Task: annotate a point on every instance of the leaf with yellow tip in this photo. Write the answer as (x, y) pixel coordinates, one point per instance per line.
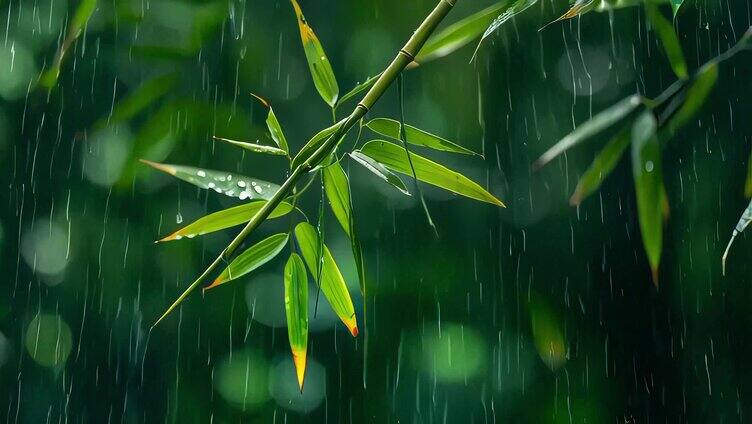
(251, 259)
(272, 123)
(329, 276)
(296, 309)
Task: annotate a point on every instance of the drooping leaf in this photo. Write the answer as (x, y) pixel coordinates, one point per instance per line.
(251, 259)
(272, 123)
(742, 225)
(391, 128)
(697, 93)
(77, 24)
(321, 69)
(296, 309)
(580, 7)
(363, 86)
(337, 190)
(458, 35)
(668, 38)
(253, 147)
(314, 144)
(648, 178)
(329, 276)
(675, 6)
(226, 183)
(594, 126)
(514, 8)
(226, 218)
(602, 165)
(395, 158)
(142, 97)
(380, 171)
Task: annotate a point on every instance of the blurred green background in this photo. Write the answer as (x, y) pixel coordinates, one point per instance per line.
(535, 313)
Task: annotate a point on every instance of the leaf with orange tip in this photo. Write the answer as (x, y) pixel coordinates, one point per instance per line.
(296, 309)
(272, 123)
(251, 259)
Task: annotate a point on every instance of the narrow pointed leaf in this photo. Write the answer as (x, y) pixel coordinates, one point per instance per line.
(296, 309)
(252, 258)
(80, 18)
(363, 86)
(459, 34)
(321, 69)
(748, 185)
(597, 124)
(253, 147)
(226, 218)
(696, 96)
(602, 165)
(668, 38)
(395, 158)
(742, 225)
(272, 123)
(510, 12)
(313, 144)
(331, 281)
(380, 171)
(226, 183)
(648, 178)
(337, 190)
(391, 128)
(675, 6)
(580, 7)
(141, 98)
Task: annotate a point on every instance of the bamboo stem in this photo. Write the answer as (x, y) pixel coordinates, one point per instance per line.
(404, 57)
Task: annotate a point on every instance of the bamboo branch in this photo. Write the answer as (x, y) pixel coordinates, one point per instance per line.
(404, 57)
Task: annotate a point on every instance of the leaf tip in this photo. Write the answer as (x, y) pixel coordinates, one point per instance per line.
(654, 276)
(262, 100)
(299, 358)
(160, 166)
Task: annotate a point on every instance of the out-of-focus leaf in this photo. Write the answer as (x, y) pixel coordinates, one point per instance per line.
(80, 17)
(141, 98)
(668, 38)
(548, 334)
(742, 225)
(313, 145)
(395, 158)
(331, 281)
(748, 185)
(594, 126)
(337, 191)
(380, 171)
(226, 218)
(697, 93)
(253, 147)
(511, 11)
(226, 183)
(363, 86)
(296, 309)
(321, 69)
(676, 5)
(458, 35)
(418, 137)
(602, 165)
(252, 258)
(648, 178)
(275, 130)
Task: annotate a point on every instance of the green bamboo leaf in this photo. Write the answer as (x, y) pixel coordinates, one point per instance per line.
(251, 259)
(337, 190)
(331, 281)
(226, 183)
(272, 123)
(668, 38)
(511, 11)
(141, 98)
(742, 225)
(380, 171)
(363, 86)
(253, 147)
(458, 35)
(321, 69)
(296, 309)
(748, 185)
(697, 93)
(594, 126)
(80, 18)
(395, 158)
(648, 178)
(602, 165)
(226, 218)
(313, 144)
(580, 7)
(675, 6)
(391, 128)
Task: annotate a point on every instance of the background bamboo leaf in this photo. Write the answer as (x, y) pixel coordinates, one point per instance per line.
(363, 86)
(648, 178)
(331, 281)
(697, 93)
(380, 171)
(337, 191)
(272, 123)
(748, 184)
(391, 128)
(669, 39)
(395, 158)
(141, 98)
(296, 310)
(226, 183)
(251, 259)
(253, 147)
(602, 165)
(226, 218)
(511, 11)
(675, 6)
(459, 34)
(80, 18)
(318, 63)
(600, 122)
(313, 144)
